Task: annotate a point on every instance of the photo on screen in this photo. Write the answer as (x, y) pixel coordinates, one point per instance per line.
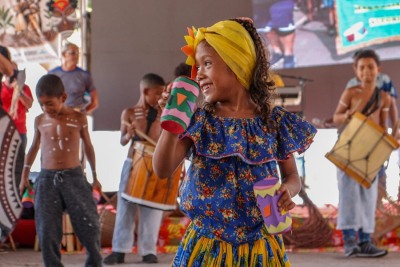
(305, 33)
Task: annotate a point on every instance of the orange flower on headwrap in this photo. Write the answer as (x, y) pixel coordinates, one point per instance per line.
(233, 44)
(189, 50)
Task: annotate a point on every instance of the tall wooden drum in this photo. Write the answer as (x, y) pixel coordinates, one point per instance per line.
(144, 187)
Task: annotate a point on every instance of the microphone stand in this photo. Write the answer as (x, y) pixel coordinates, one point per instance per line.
(302, 81)
(301, 157)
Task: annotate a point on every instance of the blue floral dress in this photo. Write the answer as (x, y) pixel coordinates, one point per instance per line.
(229, 155)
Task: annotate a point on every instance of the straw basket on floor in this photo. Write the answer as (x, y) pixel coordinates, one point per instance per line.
(315, 232)
(107, 221)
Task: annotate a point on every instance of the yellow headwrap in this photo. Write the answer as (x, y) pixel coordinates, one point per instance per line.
(233, 44)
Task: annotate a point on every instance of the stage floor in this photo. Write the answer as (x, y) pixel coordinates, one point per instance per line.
(29, 258)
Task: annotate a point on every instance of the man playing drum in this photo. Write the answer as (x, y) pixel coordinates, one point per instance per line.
(357, 204)
(144, 117)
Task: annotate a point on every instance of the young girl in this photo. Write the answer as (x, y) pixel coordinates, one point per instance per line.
(237, 139)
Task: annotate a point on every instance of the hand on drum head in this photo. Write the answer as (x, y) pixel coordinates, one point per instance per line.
(285, 202)
(165, 95)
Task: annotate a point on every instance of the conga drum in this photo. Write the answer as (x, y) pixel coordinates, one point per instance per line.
(144, 187)
(361, 149)
(108, 214)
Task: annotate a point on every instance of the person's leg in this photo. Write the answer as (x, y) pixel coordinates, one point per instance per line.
(48, 219)
(281, 24)
(126, 213)
(149, 226)
(349, 216)
(369, 200)
(80, 205)
(273, 41)
(363, 237)
(310, 10)
(367, 248)
(287, 40)
(19, 164)
(122, 241)
(350, 242)
(276, 50)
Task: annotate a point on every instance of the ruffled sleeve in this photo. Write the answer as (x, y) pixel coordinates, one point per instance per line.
(249, 138)
(294, 134)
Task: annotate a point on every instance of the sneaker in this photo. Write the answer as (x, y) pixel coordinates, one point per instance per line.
(288, 61)
(150, 258)
(276, 57)
(114, 258)
(368, 250)
(350, 250)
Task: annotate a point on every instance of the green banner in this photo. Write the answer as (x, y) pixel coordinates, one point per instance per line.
(365, 23)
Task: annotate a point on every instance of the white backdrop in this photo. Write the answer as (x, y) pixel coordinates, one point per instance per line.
(110, 155)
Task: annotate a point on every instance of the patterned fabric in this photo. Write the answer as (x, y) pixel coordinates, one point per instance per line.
(230, 155)
(269, 251)
(77, 83)
(6, 99)
(383, 82)
(10, 175)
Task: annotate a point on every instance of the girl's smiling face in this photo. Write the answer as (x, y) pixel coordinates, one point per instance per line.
(216, 79)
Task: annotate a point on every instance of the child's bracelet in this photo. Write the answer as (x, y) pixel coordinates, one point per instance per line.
(27, 166)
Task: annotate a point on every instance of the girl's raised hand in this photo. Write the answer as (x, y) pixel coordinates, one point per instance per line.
(165, 95)
(285, 202)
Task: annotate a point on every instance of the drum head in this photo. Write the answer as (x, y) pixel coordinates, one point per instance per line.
(10, 174)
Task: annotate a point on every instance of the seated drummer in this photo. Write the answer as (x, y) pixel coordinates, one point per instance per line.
(357, 205)
(144, 116)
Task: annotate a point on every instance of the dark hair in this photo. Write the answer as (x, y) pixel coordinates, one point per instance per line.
(6, 53)
(183, 69)
(261, 86)
(367, 53)
(152, 79)
(49, 85)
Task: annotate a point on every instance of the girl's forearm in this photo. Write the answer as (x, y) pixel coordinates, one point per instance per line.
(168, 154)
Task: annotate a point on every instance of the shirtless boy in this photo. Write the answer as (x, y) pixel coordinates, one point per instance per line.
(61, 184)
(357, 204)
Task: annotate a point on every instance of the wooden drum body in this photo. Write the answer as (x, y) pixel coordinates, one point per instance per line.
(361, 149)
(144, 187)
